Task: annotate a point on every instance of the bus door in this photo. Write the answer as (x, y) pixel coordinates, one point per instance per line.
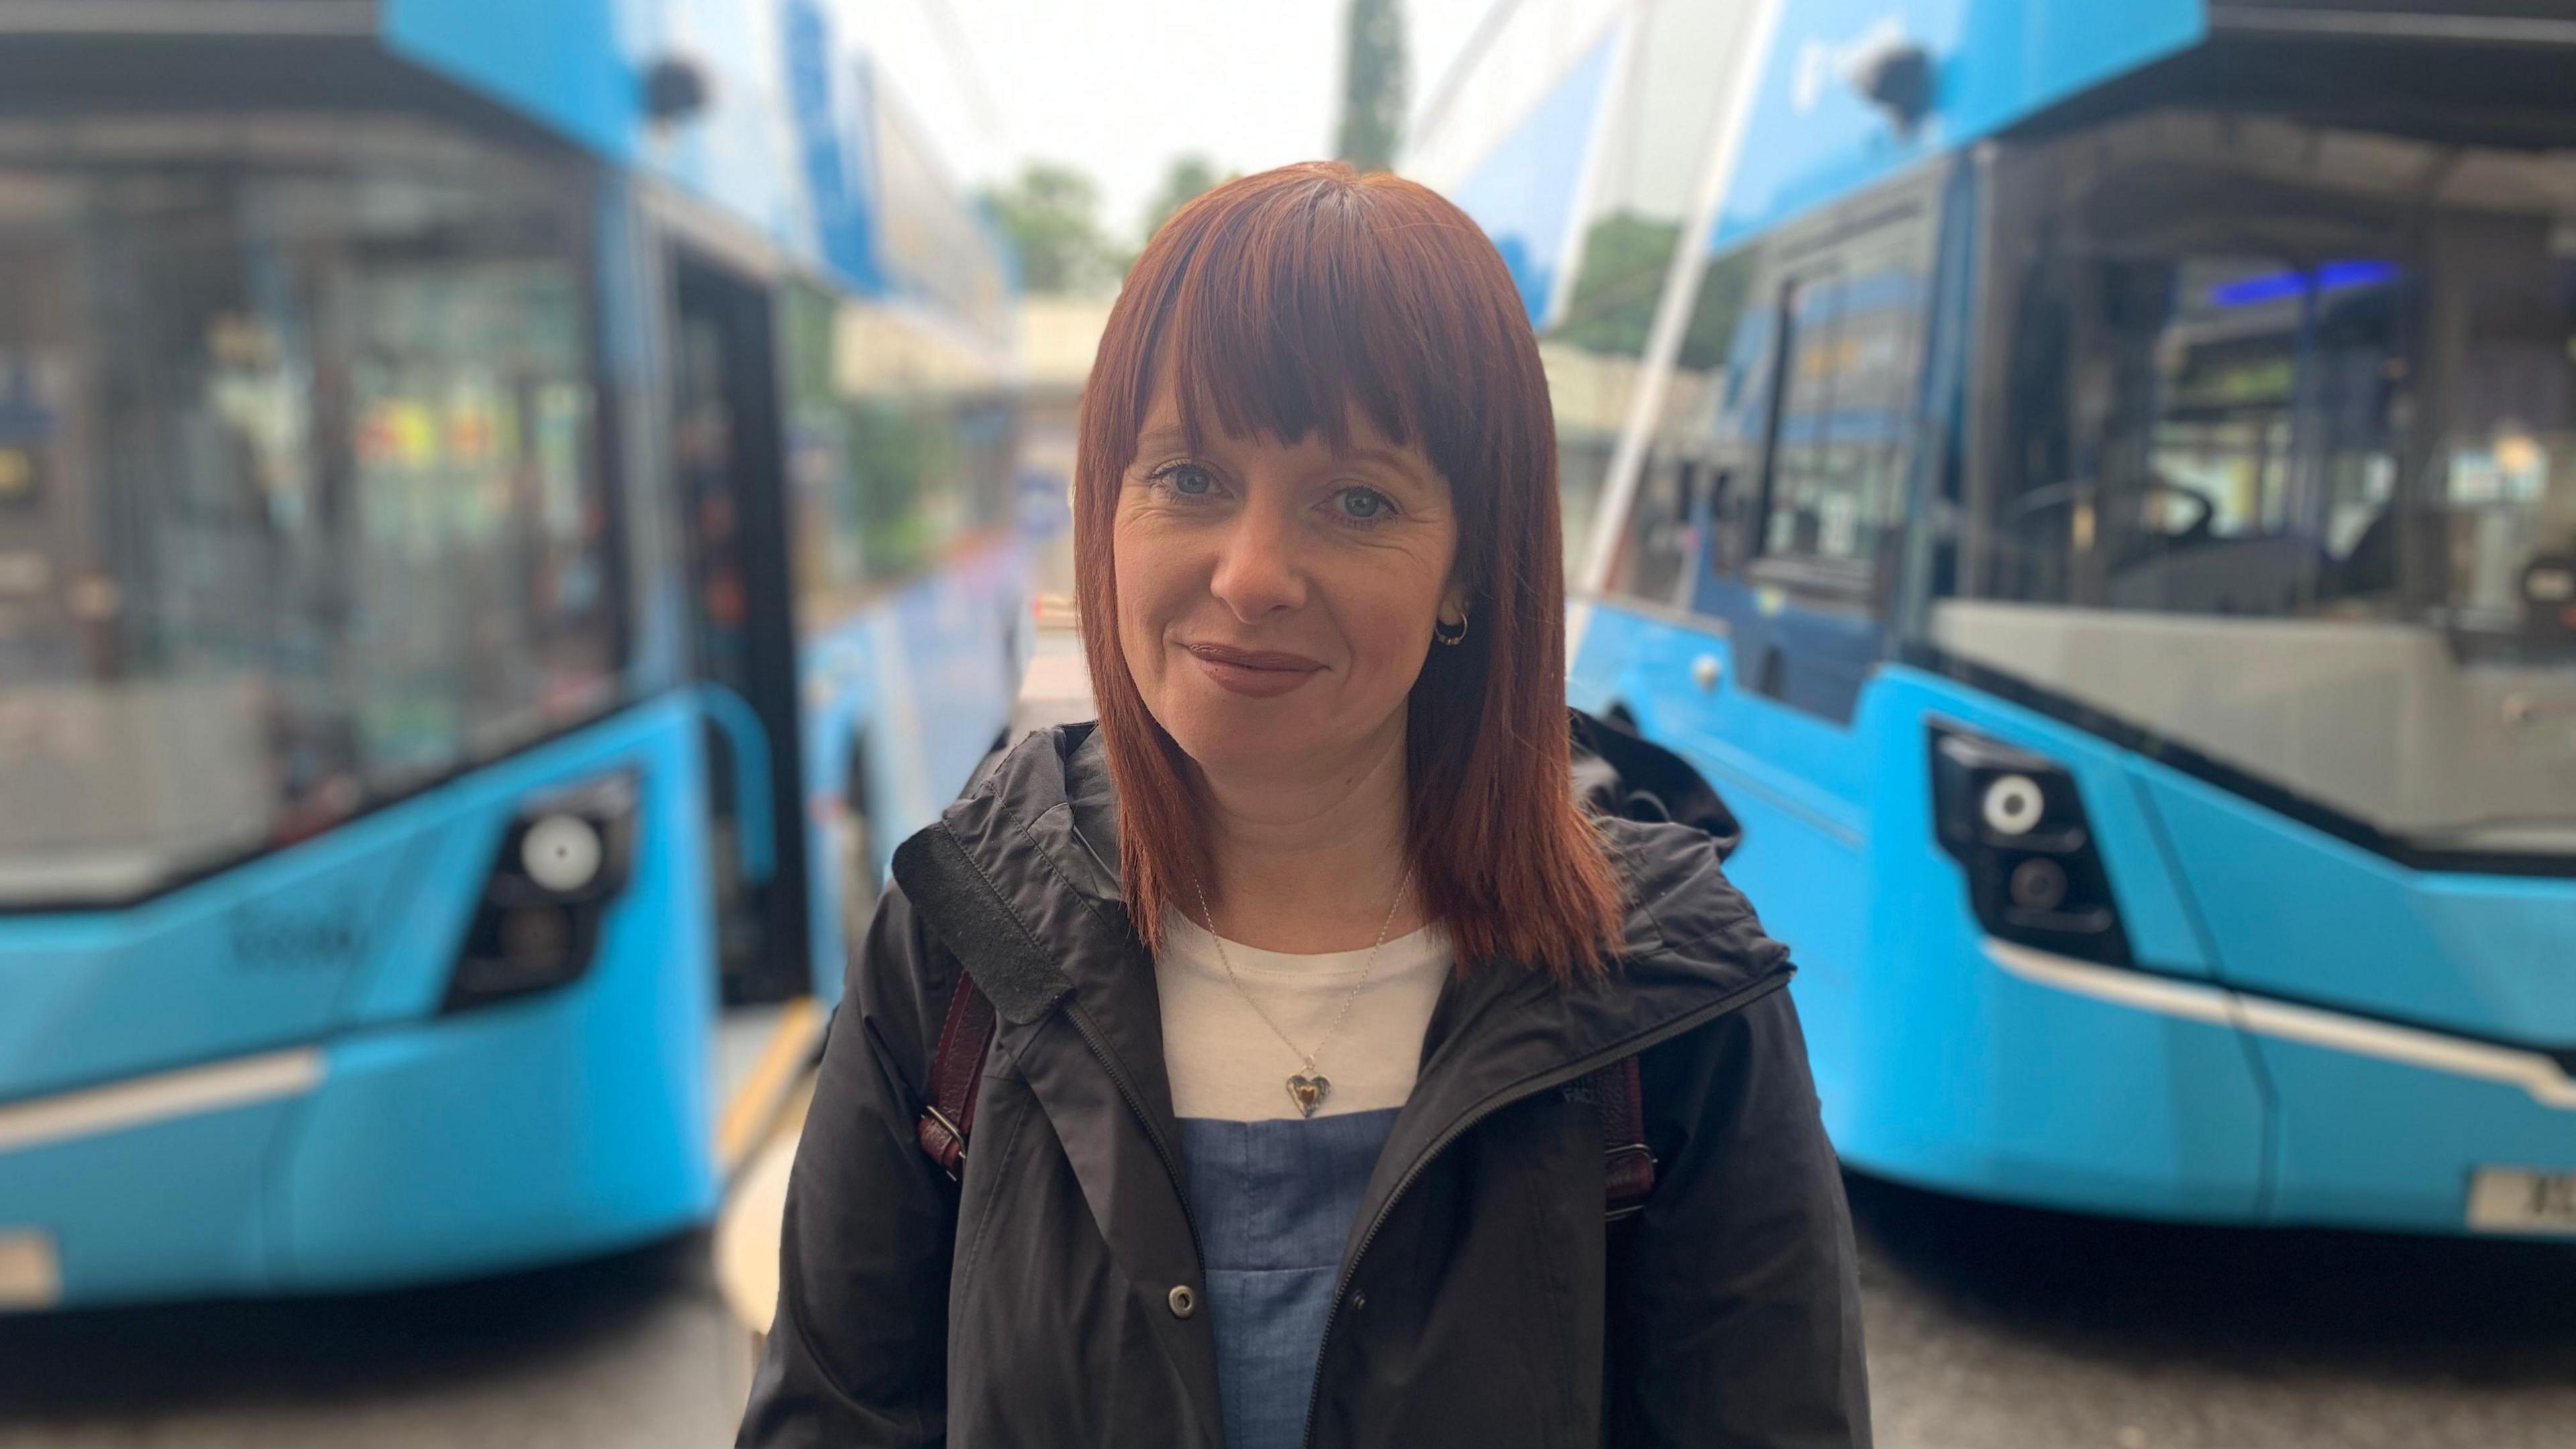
(726, 459)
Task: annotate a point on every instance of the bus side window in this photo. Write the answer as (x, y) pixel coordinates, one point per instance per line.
(1852, 326)
(1689, 534)
(1720, 553)
(1806, 483)
(1656, 557)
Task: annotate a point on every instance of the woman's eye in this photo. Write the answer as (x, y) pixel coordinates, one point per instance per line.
(1187, 479)
(1363, 505)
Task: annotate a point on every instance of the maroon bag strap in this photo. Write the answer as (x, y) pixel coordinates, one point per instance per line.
(965, 1039)
(1628, 1168)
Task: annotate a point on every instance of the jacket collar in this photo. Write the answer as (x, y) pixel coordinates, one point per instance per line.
(1020, 879)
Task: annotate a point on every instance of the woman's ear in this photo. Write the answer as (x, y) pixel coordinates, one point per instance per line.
(1453, 605)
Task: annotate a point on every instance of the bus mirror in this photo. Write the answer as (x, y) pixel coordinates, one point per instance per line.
(675, 88)
(1898, 80)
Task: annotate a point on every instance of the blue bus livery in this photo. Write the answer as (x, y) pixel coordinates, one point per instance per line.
(505, 515)
(2112, 536)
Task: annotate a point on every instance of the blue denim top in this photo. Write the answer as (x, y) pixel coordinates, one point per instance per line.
(1275, 1202)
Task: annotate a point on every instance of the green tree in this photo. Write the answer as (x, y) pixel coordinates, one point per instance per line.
(1051, 213)
(1189, 176)
(1723, 289)
(1612, 307)
(1372, 85)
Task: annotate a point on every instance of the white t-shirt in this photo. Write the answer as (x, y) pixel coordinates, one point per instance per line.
(1227, 1066)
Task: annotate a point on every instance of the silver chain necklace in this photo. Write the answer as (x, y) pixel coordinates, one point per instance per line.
(1306, 1086)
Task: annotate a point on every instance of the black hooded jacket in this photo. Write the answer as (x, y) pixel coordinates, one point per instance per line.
(1483, 1301)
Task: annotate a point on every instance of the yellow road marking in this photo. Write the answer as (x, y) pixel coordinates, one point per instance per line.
(755, 1104)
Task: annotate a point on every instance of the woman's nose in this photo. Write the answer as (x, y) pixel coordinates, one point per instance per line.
(1257, 570)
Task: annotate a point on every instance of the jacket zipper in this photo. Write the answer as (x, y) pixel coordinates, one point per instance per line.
(1109, 1063)
(1519, 1091)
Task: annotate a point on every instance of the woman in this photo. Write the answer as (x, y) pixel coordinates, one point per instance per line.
(1306, 957)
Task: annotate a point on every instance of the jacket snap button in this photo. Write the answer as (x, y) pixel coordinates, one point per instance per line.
(1183, 1301)
(1358, 1301)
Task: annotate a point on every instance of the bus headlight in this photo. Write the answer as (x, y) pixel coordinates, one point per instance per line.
(562, 852)
(2015, 822)
(561, 863)
(2012, 804)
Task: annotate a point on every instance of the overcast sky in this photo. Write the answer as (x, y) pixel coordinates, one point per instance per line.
(1120, 87)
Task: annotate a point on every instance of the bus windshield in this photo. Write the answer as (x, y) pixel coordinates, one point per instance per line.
(301, 506)
(2278, 460)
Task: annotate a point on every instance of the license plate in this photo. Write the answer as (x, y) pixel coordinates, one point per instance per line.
(29, 1276)
(2519, 1200)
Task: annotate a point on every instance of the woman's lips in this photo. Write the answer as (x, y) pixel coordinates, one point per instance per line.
(1261, 674)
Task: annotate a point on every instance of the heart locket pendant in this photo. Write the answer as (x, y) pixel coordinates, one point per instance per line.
(1307, 1091)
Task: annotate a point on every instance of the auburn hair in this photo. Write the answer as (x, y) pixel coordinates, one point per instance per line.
(1277, 304)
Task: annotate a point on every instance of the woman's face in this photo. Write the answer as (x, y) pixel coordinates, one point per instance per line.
(1275, 601)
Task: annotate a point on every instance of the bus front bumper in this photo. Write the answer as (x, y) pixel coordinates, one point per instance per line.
(460, 1146)
(2368, 1124)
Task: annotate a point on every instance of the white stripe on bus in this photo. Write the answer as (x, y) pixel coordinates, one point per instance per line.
(2546, 1081)
(140, 1101)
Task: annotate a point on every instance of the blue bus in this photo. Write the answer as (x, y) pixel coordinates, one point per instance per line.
(506, 515)
(2100, 501)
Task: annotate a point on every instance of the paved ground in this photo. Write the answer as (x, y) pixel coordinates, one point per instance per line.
(635, 1352)
(1993, 1328)
(1989, 1328)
